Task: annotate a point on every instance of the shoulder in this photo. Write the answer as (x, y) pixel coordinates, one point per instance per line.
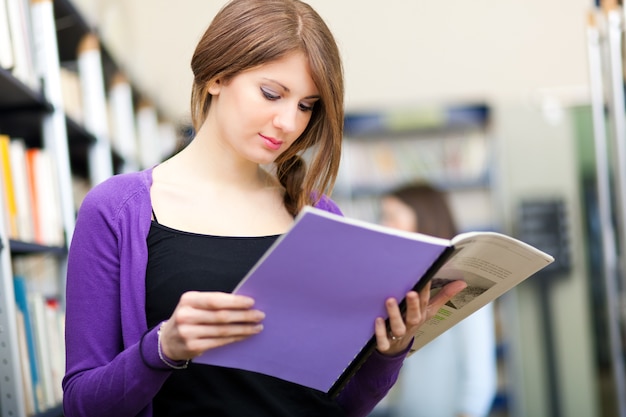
(326, 203)
(115, 192)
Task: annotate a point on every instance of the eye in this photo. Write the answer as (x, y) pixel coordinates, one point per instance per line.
(268, 94)
(306, 107)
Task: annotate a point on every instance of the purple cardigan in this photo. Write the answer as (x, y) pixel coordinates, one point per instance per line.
(106, 318)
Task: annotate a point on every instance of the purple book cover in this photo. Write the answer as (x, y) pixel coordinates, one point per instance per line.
(321, 286)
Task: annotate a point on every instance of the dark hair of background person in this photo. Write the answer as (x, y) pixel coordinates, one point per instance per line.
(434, 216)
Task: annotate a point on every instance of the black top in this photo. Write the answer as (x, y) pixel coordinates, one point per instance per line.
(181, 261)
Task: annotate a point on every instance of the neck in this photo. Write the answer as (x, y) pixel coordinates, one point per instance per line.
(206, 160)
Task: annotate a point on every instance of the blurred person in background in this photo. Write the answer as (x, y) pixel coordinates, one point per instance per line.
(455, 374)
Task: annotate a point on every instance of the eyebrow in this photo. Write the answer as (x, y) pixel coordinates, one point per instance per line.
(284, 87)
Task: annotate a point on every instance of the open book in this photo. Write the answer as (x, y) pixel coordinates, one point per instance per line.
(322, 285)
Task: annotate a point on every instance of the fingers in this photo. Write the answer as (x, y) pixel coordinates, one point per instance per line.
(397, 337)
(416, 309)
(383, 344)
(205, 320)
(419, 309)
(215, 308)
(445, 294)
(397, 327)
(189, 341)
(216, 300)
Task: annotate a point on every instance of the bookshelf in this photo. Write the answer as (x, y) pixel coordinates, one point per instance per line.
(81, 146)
(448, 146)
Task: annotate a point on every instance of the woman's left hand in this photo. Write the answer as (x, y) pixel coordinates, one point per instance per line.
(419, 309)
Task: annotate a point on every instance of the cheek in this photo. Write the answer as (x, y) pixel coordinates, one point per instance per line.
(398, 219)
(303, 121)
(301, 126)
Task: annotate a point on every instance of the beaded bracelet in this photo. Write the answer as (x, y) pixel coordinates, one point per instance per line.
(162, 357)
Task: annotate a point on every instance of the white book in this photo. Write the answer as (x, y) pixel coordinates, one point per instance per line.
(49, 200)
(6, 46)
(123, 121)
(18, 13)
(37, 306)
(149, 136)
(95, 108)
(56, 347)
(27, 383)
(72, 94)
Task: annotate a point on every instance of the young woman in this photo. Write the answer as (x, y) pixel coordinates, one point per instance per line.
(157, 253)
(467, 376)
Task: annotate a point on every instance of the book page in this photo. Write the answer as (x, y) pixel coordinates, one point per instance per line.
(490, 264)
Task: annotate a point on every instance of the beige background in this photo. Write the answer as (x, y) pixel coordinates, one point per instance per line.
(396, 52)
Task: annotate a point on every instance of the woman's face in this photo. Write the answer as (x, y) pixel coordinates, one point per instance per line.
(261, 112)
(396, 214)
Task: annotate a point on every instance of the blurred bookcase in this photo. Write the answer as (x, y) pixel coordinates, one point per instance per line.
(68, 120)
(448, 146)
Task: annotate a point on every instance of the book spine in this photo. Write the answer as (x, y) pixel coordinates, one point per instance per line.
(21, 300)
(20, 32)
(13, 398)
(123, 121)
(148, 132)
(46, 188)
(36, 304)
(95, 107)
(22, 190)
(54, 124)
(72, 95)
(6, 175)
(31, 169)
(6, 46)
(29, 399)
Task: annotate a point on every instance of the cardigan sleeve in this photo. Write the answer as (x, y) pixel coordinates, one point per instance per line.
(102, 377)
(371, 383)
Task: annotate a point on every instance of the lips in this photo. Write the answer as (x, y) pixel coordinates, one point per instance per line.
(271, 143)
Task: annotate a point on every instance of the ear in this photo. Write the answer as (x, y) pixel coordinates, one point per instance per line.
(215, 86)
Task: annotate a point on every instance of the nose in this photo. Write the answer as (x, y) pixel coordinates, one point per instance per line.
(286, 118)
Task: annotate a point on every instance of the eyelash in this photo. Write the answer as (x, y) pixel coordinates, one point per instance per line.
(272, 97)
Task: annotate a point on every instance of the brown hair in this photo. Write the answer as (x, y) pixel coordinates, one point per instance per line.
(434, 216)
(248, 33)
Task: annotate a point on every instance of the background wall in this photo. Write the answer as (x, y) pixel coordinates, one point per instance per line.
(395, 52)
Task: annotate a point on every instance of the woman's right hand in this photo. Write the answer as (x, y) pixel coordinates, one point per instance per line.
(205, 320)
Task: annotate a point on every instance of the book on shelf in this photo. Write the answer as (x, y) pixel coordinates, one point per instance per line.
(45, 198)
(6, 177)
(30, 356)
(94, 101)
(6, 46)
(31, 171)
(46, 318)
(149, 149)
(23, 200)
(386, 162)
(20, 29)
(25, 368)
(72, 94)
(324, 282)
(121, 108)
